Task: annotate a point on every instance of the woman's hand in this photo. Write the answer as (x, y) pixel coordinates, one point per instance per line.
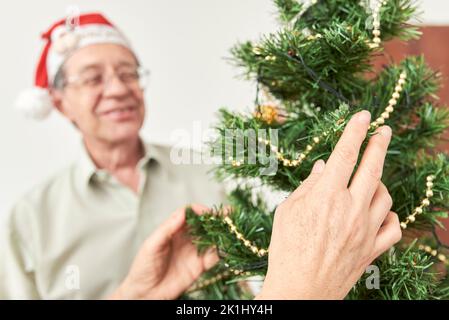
(326, 233)
(167, 263)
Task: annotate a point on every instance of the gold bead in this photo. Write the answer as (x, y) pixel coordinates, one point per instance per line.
(247, 243)
(411, 218)
(316, 139)
(433, 253)
(380, 120)
(427, 249)
(403, 75)
(377, 40)
(403, 225)
(430, 178)
(376, 24)
(426, 202)
(442, 257)
(257, 50)
(398, 88)
(239, 236)
(389, 109)
(418, 210)
(396, 95)
(385, 115)
(309, 147)
(429, 184)
(392, 102)
(254, 250)
(429, 193)
(376, 33)
(302, 156)
(401, 82)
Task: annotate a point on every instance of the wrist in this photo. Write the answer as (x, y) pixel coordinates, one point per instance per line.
(125, 292)
(274, 289)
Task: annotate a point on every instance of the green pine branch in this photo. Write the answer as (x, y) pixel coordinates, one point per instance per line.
(321, 82)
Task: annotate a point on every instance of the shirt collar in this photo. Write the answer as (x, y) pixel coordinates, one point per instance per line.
(88, 169)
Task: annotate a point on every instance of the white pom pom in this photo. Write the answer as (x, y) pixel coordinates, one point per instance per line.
(35, 103)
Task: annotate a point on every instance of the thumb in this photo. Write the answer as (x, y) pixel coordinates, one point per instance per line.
(210, 258)
(165, 232)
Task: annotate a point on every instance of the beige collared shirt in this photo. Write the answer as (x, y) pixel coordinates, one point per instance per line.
(76, 235)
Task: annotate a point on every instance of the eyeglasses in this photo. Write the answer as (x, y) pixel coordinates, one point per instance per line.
(93, 80)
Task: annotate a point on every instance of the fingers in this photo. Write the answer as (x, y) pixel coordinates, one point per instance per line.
(311, 180)
(343, 159)
(199, 209)
(165, 232)
(380, 207)
(210, 258)
(174, 224)
(369, 173)
(389, 234)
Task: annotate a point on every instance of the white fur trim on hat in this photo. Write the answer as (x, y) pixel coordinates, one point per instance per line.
(65, 43)
(35, 103)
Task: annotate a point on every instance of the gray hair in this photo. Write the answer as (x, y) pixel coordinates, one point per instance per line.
(59, 81)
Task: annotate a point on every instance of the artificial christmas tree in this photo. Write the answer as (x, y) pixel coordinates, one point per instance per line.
(315, 73)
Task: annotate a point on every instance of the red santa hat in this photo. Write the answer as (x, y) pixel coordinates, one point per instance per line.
(62, 40)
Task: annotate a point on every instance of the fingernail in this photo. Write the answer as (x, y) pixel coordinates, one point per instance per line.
(364, 117)
(318, 167)
(385, 131)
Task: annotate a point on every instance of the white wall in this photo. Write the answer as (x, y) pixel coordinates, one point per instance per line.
(182, 42)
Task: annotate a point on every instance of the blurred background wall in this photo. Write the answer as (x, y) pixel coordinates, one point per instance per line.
(184, 43)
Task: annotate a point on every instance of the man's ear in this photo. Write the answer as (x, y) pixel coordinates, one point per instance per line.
(56, 98)
(58, 101)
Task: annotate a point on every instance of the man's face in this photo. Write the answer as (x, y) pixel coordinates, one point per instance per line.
(101, 97)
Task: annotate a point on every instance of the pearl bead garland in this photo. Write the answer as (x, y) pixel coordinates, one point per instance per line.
(302, 156)
(376, 24)
(392, 102)
(424, 203)
(434, 253)
(254, 249)
(226, 274)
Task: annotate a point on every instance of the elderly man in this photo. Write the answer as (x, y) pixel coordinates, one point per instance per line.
(76, 235)
(90, 232)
